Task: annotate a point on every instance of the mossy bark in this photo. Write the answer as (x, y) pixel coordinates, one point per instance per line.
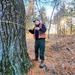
(14, 59)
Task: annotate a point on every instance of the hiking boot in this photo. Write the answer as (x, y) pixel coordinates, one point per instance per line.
(34, 59)
(41, 64)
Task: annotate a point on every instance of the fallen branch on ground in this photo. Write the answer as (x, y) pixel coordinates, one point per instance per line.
(69, 49)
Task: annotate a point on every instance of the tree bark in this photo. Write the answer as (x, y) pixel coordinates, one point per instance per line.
(14, 59)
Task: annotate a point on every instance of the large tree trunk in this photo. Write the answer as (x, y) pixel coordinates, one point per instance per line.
(14, 59)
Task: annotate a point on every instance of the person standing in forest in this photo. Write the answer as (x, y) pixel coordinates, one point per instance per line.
(39, 35)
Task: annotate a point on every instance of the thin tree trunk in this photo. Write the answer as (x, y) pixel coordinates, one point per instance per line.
(51, 20)
(14, 59)
(58, 24)
(71, 27)
(71, 30)
(40, 12)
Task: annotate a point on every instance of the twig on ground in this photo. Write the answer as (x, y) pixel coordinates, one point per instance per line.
(69, 49)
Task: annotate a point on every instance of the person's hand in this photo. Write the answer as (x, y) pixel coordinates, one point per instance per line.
(27, 28)
(37, 28)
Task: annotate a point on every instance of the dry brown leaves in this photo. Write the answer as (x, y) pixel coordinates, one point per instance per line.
(58, 60)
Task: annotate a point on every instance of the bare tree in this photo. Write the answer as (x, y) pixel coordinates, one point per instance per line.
(56, 4)
(51, 20)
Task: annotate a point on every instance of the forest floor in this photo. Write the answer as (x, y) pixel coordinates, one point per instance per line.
(59, 56)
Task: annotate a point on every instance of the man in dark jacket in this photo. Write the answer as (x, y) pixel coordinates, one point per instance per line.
(39, 36)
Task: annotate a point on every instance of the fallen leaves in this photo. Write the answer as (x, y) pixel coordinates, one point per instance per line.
(59, 57)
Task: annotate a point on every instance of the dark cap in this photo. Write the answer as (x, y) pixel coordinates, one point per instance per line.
(37, 19)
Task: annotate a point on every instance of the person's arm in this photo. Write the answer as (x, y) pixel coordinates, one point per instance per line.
(31, 31)
(43, 29)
